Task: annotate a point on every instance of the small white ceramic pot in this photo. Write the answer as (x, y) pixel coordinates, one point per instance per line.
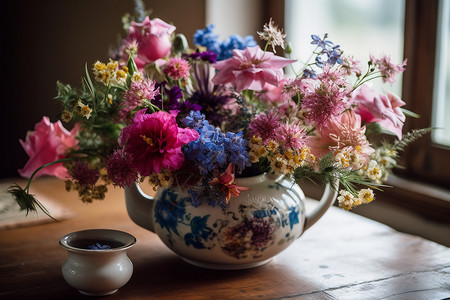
(97, 262)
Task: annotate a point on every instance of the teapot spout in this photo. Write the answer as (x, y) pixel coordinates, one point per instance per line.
(140, 207)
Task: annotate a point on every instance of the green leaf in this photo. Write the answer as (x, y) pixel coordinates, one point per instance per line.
(89, 82)
(410, 113)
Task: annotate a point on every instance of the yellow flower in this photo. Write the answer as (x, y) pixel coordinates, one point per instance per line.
(99, 66)
(366, 195)
(85, 110)
(66, 116)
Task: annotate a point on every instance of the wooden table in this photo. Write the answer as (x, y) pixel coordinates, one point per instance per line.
(343, 256)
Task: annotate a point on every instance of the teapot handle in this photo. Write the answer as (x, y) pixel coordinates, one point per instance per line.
(140, 206)
(328, 198)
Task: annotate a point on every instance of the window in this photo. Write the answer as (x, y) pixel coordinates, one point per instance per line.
(441, 96)
(359, 27)
(424, 81)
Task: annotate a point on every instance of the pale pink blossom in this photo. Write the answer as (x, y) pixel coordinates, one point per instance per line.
(387, 68)
(382, 109)
(294, 86)
(350, 65)
(139, 90)
(339, 132)
(291, 136)
(251, 68)
(274, 94)
(47, 143)
(153, 38)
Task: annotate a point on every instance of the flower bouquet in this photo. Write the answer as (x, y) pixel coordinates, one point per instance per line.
(198, 117)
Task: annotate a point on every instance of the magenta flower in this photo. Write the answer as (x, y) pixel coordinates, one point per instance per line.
(250, 69)
(383, 109)
(47, 143)
(177, 68)
(155, 142)
(120, 169)
(387, 68)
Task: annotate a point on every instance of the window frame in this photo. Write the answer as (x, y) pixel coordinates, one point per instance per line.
(424, 160)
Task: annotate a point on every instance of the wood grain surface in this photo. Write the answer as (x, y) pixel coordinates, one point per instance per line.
(343, 256)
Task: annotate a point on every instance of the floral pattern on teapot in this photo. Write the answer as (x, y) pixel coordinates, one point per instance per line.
(240, 233)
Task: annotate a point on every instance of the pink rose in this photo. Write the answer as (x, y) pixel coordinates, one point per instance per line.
(382, 109)
(47, 143)
(153, 38)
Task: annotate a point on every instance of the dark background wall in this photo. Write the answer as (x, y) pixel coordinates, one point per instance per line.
(46, 41)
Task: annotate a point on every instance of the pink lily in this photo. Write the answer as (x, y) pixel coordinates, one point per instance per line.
(251, 69)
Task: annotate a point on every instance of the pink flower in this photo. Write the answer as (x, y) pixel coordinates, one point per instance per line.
(138, 91)
(225, 182)
(387, 68)
(251, 68)
(339, 132)
(291, 136)
(154, 141)
(153, 38)
(383, 109)
(350, 65)
(322, 100)
(177, 68)
(274, 94)
(264, 126)
(47, 143)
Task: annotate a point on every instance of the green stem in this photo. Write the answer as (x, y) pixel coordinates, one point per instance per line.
(27, 187)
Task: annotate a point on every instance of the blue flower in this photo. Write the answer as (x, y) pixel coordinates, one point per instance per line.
(234, 42)
(329, 50)
(169, 211)
(98, 246)
(235, 147)
(210, 40)
(195, 120)
(207, 38)
(309, 73)
(322, 43)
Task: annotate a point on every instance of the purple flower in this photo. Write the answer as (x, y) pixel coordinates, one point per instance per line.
(83, 174)
(206, 56)
(120, 170)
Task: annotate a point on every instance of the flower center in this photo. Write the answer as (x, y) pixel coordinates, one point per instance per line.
(148, 140)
